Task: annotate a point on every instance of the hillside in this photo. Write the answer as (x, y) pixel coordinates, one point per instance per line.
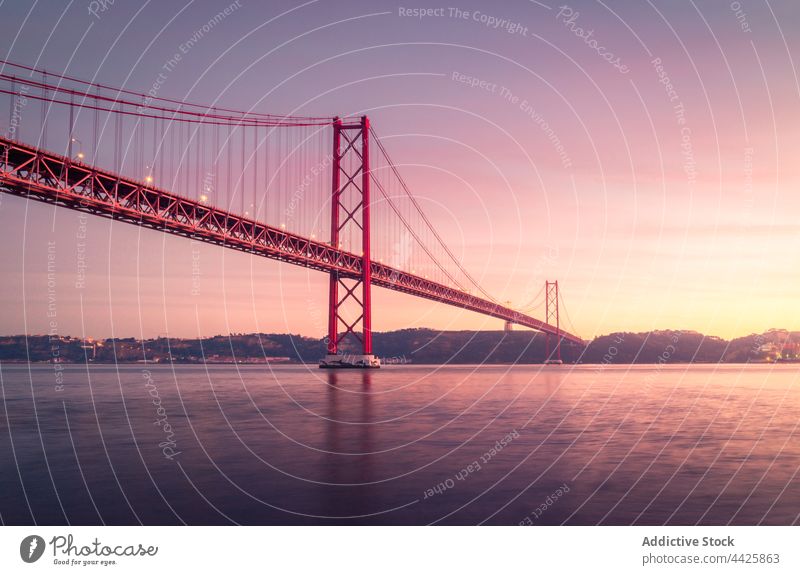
(421, 346)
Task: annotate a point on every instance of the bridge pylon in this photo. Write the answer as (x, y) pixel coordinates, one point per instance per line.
(551, 317)
(350, 211)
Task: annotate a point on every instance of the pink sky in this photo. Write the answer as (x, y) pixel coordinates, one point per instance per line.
(635, 242)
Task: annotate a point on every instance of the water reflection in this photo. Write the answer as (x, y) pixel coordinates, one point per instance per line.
(349, 444)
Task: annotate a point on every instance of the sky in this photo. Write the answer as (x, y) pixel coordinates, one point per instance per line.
(642, 154)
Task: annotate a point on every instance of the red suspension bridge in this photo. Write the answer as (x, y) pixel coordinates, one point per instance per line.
(322, 193)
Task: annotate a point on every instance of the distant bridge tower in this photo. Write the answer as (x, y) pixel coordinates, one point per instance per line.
(551, 317)
(509, 325)
(350, 204)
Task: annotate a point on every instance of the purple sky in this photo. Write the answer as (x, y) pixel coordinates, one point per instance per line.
(573, 161)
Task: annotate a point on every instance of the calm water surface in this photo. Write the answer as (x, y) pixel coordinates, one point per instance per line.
(401, 445)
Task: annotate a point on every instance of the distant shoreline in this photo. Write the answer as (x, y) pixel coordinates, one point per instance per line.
(410, 346)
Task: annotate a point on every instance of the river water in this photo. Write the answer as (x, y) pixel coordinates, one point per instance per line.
(513, 445)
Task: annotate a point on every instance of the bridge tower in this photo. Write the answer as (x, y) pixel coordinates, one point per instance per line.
(509, 325)
(350, 206)
(551, 317)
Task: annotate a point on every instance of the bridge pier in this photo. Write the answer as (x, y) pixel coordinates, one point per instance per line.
(350, 206)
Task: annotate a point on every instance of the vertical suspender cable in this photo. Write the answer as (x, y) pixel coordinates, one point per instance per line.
(255, 172)
(241, 175)
(228, 192)
(198, 170)
(95, 133)
(45, 110)
(185, 157)
(154, 151)
(71, 124)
